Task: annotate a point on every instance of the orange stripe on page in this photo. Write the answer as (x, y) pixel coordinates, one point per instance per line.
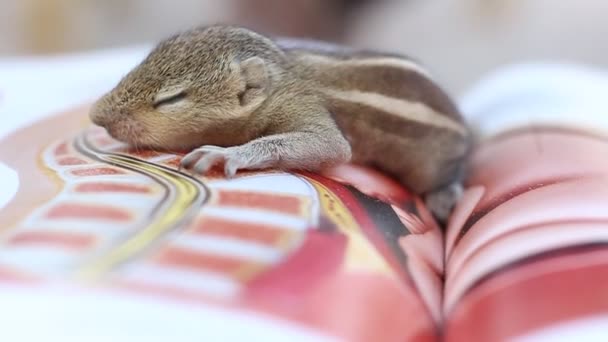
(143, 154)
(51, 238)
(61, 149)
(71, 161)
(184, 258)
(84, 211)
(97, 171)
(111, 187)
(8, 274)
(173, 162)
(274, 202)
(249, 231)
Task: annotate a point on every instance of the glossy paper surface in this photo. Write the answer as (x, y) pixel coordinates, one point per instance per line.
(304, 249)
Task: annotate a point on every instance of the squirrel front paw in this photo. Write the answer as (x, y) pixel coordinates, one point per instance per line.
(202, 159)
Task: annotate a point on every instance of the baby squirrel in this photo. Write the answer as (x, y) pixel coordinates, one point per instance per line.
(238, 97)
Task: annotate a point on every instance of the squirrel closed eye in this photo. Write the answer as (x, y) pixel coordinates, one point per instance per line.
(170, 98)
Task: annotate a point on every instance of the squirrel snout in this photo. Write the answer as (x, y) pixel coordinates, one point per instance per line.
(99, 116)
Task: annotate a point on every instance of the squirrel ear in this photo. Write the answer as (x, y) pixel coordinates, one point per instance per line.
(256, 81)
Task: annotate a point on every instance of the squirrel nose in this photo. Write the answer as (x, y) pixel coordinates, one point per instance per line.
(98, 116)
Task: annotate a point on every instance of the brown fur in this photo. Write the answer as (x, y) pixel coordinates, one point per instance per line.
(262, 103)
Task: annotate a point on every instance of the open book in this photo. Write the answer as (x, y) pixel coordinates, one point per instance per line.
(98, 240)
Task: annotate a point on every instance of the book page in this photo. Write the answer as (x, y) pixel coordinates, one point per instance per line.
(527, 248)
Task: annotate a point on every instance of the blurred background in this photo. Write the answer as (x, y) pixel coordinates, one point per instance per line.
(459, 40)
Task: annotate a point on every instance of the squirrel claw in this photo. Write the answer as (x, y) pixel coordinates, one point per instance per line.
(202, 159)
